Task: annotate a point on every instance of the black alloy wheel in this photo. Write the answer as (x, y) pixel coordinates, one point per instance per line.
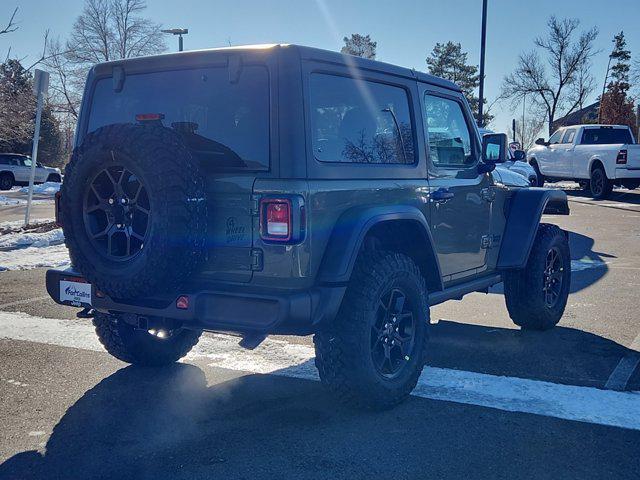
(552, 277)
(392, 334)
(117, 213)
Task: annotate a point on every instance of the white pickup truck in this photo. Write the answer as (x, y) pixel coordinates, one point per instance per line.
(598, 157)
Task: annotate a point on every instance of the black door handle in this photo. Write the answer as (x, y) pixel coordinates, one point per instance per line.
(442, 195)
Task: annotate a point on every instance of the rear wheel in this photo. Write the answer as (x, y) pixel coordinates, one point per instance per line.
(537, 295)
(6, 181)
(143, 347)
(54, 177)
(600, 185)
(373, 352)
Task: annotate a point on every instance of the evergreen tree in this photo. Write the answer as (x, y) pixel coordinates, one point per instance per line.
(448, 61)
(17, 116)
(617, 107)
(360, 46)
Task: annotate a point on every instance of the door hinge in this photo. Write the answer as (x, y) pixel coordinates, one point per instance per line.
(255, 206)
(485, 241)
(257, 262)
(488, 194)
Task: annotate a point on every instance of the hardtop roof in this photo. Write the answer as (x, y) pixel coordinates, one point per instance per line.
(306, 53)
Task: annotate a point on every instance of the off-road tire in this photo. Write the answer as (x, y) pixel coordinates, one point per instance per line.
(176, 244)
(139, 347)
(540, 177)
(6, 181)
(343, 351)
(598, 174)
(523, 289)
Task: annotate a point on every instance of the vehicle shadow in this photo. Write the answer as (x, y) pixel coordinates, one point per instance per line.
(618, 195)
(170, 423)
(587, 266)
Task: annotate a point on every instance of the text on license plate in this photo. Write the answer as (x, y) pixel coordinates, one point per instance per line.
(78, 293)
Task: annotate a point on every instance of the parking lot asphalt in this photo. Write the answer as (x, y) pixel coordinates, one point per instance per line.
(69, 410)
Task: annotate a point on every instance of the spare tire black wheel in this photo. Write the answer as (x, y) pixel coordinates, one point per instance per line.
(134, 205)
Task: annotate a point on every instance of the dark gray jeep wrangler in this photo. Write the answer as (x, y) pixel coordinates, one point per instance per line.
(288, 190)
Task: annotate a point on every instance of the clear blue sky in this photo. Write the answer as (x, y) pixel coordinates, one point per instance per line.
(406, 30)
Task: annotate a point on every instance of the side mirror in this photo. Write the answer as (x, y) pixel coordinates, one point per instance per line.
(520, 156)
(494, 148)
(542, 141)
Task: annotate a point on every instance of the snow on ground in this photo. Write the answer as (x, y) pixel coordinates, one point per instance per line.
(18, 224)
(10, 201)
(21, 250)
(46, 188)
(34, 257)
(25, 239)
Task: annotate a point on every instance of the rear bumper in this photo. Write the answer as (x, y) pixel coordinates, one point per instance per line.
(627, 173)
(225, 308)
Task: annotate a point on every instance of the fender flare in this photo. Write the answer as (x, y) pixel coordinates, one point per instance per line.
(597, 158)
(525, 210)
(350, 230)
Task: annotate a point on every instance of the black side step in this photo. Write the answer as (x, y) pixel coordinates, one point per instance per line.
(457, 291)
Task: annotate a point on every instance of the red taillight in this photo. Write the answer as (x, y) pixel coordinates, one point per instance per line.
(182, 302)
(149, 117)
(275, 219)
(621, 159)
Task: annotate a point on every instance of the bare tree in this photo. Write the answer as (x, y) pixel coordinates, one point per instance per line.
(528, 132)
(105, 30)
(12, 26)
(563, 84)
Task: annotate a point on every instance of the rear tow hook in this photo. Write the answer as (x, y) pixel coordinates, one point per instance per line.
(251, 340)
(86, 312)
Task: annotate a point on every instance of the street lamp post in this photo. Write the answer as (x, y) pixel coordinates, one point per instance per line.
(179, 32)
(482, 49)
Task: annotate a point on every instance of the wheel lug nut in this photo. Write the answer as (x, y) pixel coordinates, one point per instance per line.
(111, 201)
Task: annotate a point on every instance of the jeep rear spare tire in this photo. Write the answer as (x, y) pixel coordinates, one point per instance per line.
(134, 206)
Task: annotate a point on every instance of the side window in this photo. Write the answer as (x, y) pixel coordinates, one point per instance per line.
(357, 121)
(555, 138)
(568, 135)
(448, 133)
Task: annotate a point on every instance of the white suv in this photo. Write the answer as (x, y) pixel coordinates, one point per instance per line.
(15, 169)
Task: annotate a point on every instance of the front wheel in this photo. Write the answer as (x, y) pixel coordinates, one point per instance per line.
(537, 295)
(142, 347)
(372, 354)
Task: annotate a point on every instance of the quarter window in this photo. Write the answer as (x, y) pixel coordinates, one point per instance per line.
(357, 121)
(568, 136)
(449, 137)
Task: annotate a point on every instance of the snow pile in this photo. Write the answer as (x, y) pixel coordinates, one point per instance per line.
(19, 224)
(24, 250)
(9, 201)
(34, 257)
(46, 188)
(31, 239)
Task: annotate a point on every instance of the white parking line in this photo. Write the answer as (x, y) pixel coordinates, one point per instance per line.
(277, 357)
(620, 376)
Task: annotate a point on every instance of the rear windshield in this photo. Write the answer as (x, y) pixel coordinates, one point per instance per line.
(604, 136)
(223, 119)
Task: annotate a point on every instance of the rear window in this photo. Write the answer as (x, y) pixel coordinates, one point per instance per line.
(605, 136)
(356, 121)
(223, 120)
